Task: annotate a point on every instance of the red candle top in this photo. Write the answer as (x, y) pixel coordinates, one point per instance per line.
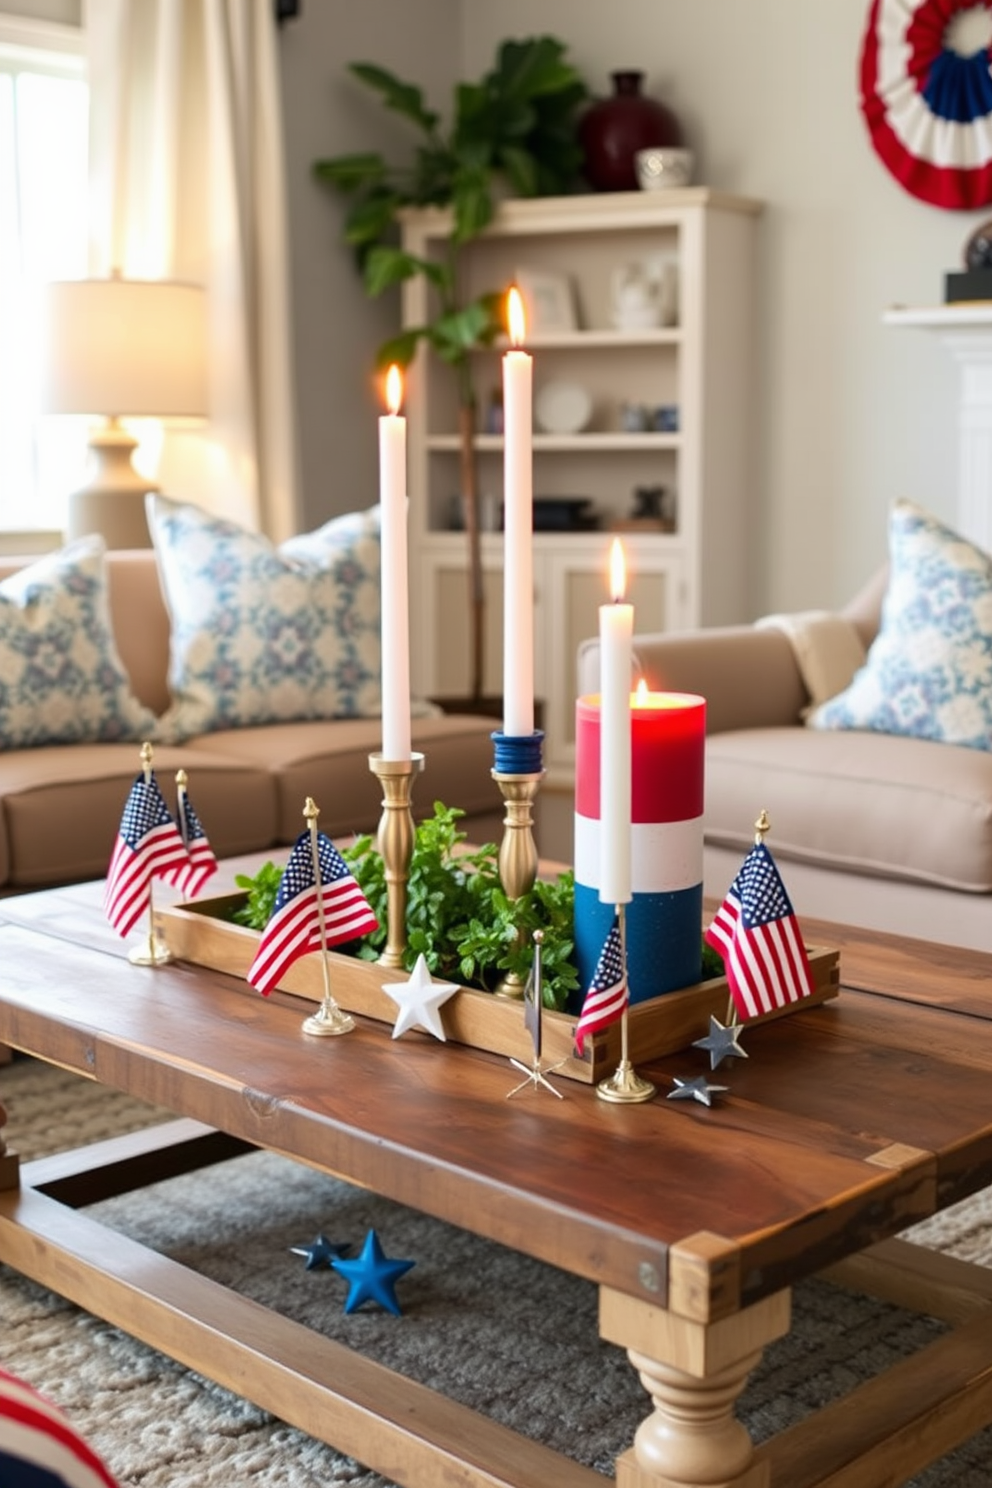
(668, 733)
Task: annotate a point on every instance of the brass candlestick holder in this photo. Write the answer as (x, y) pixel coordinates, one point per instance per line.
(518, 772)
(395, 843)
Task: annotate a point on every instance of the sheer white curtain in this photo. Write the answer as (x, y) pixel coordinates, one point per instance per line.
(187, 182)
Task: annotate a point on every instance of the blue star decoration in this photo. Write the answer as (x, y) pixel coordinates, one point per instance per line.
(321, 1253)
(372, 1277)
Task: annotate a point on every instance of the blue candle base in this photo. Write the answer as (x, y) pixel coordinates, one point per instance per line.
(518, 754)
(664, 940)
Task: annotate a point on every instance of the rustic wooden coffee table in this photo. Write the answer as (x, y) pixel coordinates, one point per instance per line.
(846, 1123)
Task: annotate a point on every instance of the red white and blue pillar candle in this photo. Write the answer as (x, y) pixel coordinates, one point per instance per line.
(665, 910)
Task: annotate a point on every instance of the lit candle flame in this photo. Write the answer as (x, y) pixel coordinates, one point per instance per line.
(641, 694)
(618, 571)
(515, 318)
(394, 389)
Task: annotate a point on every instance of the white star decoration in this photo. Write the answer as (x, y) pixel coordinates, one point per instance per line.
(419, 1001)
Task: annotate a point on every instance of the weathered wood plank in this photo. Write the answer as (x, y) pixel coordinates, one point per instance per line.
(101, 1170)
(916, 1278)
(893, 1425)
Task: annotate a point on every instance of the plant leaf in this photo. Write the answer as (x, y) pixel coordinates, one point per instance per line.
(472, 203)
(350, 172)
(521, 168)
(403, 98)
(371, 217)
(386, 266)
(400, 349)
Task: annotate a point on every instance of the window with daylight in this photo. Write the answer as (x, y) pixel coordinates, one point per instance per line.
(44, 108)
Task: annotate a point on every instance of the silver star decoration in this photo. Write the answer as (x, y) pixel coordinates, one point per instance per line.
(698, 1088)
(723, 1043)
(419, 1001)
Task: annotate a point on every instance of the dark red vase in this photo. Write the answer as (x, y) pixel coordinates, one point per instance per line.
(613, 130)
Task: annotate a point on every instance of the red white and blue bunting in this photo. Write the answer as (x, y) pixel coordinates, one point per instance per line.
(926, 95)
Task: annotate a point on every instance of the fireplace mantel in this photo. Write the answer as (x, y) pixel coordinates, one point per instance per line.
(966, 331)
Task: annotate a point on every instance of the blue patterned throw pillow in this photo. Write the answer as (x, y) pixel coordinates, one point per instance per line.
(928, 673)
(262, 634)
(61, 679)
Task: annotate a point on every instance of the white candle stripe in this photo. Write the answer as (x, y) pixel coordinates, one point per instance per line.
(665, 856)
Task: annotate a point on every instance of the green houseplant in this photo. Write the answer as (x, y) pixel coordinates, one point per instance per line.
(514, 129)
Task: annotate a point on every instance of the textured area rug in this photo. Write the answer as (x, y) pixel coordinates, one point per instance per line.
(510, 1337)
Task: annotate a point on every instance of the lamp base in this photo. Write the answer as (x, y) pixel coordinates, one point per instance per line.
(112, 502)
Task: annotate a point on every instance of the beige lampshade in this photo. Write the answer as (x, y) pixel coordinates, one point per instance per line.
(121, 348)
(125, 348)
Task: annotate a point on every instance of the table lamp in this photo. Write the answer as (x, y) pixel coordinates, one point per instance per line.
(121, 348)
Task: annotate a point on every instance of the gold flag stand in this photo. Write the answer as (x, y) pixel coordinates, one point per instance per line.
(152, 951)
(625, 1085)
(329, 1019)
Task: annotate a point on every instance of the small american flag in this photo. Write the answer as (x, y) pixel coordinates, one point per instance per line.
(757, 934)
(607, 997)
(148, 846)
(201, 863)
(294, 928)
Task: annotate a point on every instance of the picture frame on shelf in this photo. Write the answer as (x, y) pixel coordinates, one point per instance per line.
(549, 301)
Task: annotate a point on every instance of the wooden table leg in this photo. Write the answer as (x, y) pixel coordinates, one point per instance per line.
(694, 1372)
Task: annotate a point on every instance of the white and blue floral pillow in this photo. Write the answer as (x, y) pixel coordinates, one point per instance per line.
(928, 672)
(262, 634)
(61, 679)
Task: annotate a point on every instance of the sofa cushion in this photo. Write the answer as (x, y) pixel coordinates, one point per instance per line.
(907, 809)
(306, 761)
(929, 671)
(61, 678)
(62, 805)
(828, 649)
(263, 634)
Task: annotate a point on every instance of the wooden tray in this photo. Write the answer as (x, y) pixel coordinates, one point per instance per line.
(193, 932)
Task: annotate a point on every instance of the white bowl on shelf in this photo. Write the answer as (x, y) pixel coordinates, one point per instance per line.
(562, 408)
(661, 169)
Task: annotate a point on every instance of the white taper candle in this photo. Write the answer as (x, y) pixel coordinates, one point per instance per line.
(394, 597)
(616, 627)
(518, 533)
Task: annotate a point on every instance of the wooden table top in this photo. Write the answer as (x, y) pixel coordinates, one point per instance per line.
(846, 1122)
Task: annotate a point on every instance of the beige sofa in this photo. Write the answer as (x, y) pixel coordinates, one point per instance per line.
(869, 829)
(60, 806)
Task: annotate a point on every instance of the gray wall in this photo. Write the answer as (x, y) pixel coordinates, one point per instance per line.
(336, 328)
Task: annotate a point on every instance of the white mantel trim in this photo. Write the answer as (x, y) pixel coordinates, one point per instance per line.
(966, 331)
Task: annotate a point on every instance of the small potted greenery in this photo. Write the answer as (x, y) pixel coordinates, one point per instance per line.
(515, 129)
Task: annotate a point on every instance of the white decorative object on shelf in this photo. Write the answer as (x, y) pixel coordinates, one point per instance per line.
(549, 301)
(562, 408)
(645, 294)
(662, 169)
